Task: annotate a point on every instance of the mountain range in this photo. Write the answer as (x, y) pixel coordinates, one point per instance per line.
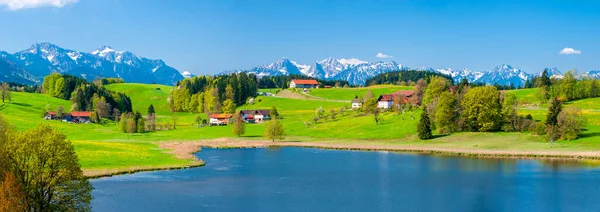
(31, 65)
(357, 71)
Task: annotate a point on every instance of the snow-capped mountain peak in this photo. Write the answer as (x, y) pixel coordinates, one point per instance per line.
(351, 61)
(104, 50)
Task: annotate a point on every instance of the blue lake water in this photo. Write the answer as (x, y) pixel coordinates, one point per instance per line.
(304, 179)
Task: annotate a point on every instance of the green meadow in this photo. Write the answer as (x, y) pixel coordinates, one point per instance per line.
(103, 146)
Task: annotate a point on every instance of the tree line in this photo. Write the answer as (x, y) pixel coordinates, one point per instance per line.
(284, 81)
(449, 109)
(565, 88)
(86, 96)
(213, 94)
(409, 77)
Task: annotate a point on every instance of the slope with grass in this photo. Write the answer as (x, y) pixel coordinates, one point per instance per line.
(349, 93)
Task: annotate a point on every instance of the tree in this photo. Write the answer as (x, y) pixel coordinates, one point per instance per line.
(60, 112)
(131, 126)
(151, 109)
(376, 115)
(436, 86)
(424, 128)
(342, 110)
(174, 118)
(552, 119)
(481, 109)
(44, 163)
(570, 123)
(141, 126)
(239, 128)
(445, 113)
(102, 108)
(229, 93)
(369, 104)
(420, 88)
(94, 118)
(274, 130)
(567, 86)
(200, 103)
(274, 112)
(332, 113)
(58, 88)
(12, 197)
(319, 112)
(116, 114)
(5, 92)
(509, 112)
(229, 106)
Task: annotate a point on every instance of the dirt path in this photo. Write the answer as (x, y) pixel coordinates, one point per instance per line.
(295, 95)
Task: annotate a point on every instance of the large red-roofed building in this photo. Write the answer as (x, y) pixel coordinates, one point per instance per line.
(298, 83)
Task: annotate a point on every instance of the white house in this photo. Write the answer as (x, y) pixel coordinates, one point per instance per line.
(357, 103)
(385, 101)
(296, 83)
(220, 119)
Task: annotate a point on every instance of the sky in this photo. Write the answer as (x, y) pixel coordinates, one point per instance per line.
(211, 36)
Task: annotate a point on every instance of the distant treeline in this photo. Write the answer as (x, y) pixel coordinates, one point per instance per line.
(404, 77)
(213, 94)
(84, 94)
(20, 87)
(284, 81)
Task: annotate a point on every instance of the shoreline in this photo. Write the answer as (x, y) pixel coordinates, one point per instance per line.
(187, 149)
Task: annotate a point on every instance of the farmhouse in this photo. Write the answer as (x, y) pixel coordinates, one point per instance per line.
(79, 116)
(220, 119)
(386, 101)
(255, 116)
(51, 115)
(357, 103)
(296, 83)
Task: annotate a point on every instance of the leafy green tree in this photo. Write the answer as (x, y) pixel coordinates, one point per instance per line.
(570, 123)
(377, 115)
(445, 117)
(424, 128)
(369, 104)
(58, 88)
(319, 112)
(481, 109)
(141, 126)
(509, 111)
(5, 92)
(60, 112)
(46, 166)
(342, 110)
(201, 103)
(567, 86)
(274, 112)
(274, 130)
(332, 113)
(552, 119)
(239, 128)
(229, 106)
(436, 86)
(229, 93)
(131, 126)
(193, 105)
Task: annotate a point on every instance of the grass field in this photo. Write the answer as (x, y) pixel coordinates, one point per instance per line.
(105, 147)
(350, 93)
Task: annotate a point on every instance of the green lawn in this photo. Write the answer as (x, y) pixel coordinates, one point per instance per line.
(350, 93)
(105, 147)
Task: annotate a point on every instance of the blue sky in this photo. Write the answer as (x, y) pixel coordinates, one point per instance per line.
(206, 36)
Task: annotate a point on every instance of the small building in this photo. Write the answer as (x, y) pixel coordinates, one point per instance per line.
(297, 83)
(386, 101)
(51, 115)
(79, 117)
(255, 116)
(220, 119)
(357, 103)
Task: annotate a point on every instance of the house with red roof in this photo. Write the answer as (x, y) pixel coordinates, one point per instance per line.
(51, 115)
(386, 101)
(80, 116)
(299, 83)
(255, 116)
(220, 119)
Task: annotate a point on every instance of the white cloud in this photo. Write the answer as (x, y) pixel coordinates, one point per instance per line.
(25, 4)
(382, 55)
(569, 51)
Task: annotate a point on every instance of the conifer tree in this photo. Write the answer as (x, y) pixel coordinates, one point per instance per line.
(424, 128)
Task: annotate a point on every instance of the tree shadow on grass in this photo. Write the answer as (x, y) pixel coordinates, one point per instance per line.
(250, 136)
(21, 104)
(589, 134)
(440, 136)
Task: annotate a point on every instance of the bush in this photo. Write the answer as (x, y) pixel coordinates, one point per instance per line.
(537, 128)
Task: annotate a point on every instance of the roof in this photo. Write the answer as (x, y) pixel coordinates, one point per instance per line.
(264, 112)
(51, 113)
(386, 97)
(305, 82)
(221, 116)
(81, 113)
(407, 93)
(247, 111)
(357, 100)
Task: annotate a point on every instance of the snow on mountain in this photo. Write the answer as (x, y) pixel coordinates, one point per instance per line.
(187, 74)
(504, 75)
(458, 75)
(12, 72)
(44, 58)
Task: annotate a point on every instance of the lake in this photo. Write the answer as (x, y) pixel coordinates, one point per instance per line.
(306, 179)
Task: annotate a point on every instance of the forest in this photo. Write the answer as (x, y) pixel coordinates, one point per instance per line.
(86, 96)
(409, 77)
(213, 94)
